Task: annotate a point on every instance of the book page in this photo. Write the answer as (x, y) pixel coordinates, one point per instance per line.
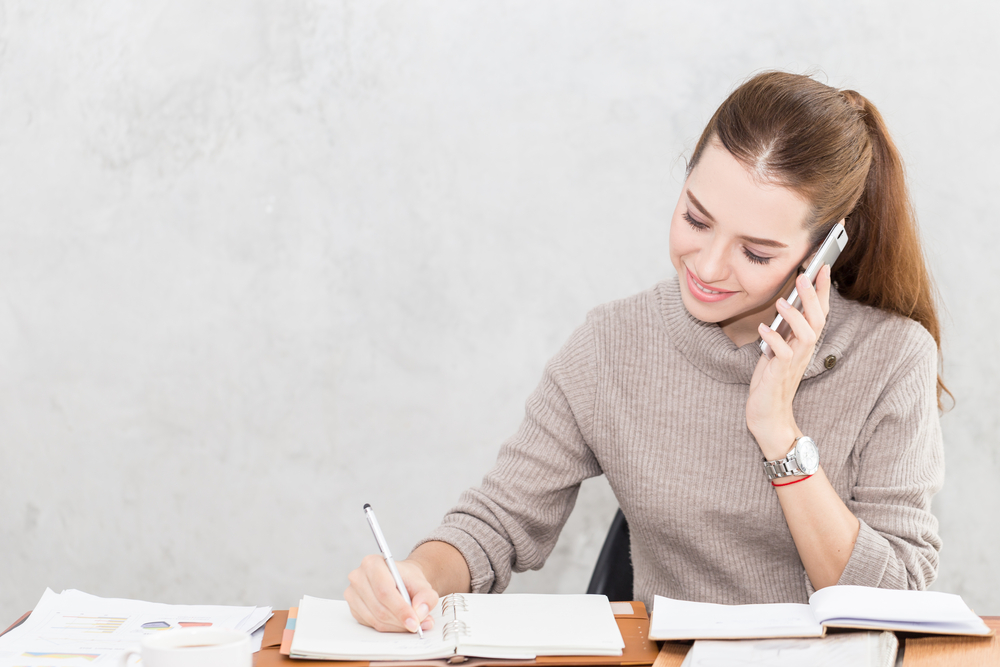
(920, 611)
(679, 619)
(325, 629)
(854, 649)
(522, 626)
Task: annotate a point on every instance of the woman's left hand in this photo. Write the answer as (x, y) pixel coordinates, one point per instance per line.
(775, 380)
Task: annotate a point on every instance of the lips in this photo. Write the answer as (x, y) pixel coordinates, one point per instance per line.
(704, 293)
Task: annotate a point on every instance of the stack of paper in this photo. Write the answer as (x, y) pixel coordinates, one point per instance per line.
(856, 649)
(81, 630)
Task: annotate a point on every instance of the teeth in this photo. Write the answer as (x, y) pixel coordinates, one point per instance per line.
(706, 290)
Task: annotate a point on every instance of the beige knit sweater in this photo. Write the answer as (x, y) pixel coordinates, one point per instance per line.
(655, 400)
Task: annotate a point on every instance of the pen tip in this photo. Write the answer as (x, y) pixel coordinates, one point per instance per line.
(366, 506)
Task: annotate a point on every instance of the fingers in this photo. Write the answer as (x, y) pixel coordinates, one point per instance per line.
(823, 283)
(803, 335)
(375, 601)
(424, 600)
(815, 300)
(779, 346)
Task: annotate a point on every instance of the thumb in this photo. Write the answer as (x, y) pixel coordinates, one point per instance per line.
(425, 599)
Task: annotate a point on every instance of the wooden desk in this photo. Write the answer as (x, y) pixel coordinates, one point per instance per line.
(640, 650)
(941, 651)
(926, 651)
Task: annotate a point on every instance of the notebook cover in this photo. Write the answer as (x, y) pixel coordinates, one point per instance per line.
(633, 622)
(16, 623)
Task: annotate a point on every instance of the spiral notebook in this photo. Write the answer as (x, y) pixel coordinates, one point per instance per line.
(517, 627)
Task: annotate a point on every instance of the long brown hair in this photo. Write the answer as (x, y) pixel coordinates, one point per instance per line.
(832, 148)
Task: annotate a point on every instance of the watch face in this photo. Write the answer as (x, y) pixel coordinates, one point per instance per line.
(807, 455)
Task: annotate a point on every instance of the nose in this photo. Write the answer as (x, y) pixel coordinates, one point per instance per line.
(712, 265)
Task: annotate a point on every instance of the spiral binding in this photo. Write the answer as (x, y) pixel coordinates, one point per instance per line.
(452, 629)
(454, 601)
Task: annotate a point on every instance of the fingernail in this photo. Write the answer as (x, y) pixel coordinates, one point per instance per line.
(411, 625)
(782, 303)
(427, 624)
(423, 610)
(761, 327)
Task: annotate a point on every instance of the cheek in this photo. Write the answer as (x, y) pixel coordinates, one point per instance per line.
(764, 283)
(681, 237)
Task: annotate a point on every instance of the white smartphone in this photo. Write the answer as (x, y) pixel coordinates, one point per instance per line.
(828, 253)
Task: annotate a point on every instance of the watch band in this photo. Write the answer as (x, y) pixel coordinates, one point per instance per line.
(781, 468)
(787, 466)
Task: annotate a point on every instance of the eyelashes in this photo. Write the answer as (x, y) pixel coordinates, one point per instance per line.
(694, 223)
(701, 226)
(755, 259)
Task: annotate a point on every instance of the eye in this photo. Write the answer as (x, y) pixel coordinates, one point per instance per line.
(755, 259)
(694, 223)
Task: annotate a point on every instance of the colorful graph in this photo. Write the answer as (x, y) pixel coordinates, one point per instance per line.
(101, 625)
(164, 625)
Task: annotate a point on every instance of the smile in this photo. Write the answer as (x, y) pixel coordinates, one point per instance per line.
(702, 293)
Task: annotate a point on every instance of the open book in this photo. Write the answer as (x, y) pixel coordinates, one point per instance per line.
(487, 626)
(858, 607)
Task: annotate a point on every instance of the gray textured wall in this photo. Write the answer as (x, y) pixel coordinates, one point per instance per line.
(262, 262)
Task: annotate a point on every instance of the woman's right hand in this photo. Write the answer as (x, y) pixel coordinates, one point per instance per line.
(375, 601)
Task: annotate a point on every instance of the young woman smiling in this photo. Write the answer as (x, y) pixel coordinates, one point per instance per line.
(666, 393)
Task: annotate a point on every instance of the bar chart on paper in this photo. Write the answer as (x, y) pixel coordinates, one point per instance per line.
(92, 625)
(36, 659)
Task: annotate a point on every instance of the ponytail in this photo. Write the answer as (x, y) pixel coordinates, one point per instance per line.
(883, 265)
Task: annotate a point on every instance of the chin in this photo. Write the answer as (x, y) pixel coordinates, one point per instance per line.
(705, 312)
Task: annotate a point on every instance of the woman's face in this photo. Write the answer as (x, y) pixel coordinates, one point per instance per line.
(735, 243)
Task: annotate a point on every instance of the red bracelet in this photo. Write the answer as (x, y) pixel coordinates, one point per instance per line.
(790, 483)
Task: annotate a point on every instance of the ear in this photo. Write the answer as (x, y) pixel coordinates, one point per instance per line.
(809, 257)
(807, 260)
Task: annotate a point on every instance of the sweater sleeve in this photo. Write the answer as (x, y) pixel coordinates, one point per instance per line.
(899, 463)
(512, 520)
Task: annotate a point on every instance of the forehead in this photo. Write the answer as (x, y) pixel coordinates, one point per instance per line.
(743, 205)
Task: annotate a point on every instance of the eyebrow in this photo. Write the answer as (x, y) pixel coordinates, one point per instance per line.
(751, 239)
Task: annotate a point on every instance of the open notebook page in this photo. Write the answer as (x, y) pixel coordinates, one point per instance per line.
(679, 619)
(919, 611)
(326, 629)
(521, 626)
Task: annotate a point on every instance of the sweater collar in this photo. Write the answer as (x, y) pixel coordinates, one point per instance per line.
(709, 349)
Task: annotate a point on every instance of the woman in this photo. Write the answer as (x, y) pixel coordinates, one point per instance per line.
(667, 394)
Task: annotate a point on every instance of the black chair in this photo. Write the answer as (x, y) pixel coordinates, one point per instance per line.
(613, 571)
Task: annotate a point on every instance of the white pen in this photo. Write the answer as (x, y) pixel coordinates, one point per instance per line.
(383, 546)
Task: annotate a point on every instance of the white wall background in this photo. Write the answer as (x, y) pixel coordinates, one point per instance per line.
(262, 262)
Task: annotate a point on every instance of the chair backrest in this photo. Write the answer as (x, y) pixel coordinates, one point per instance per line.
(613, 571)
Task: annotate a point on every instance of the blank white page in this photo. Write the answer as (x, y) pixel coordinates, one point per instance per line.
(922, 611)
(679, 619)
(848, 649)
(525, 625)
(325, 629)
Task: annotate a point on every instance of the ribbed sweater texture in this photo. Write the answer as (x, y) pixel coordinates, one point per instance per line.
(655, 400)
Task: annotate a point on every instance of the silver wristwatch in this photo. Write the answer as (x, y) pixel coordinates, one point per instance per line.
(803, 459)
